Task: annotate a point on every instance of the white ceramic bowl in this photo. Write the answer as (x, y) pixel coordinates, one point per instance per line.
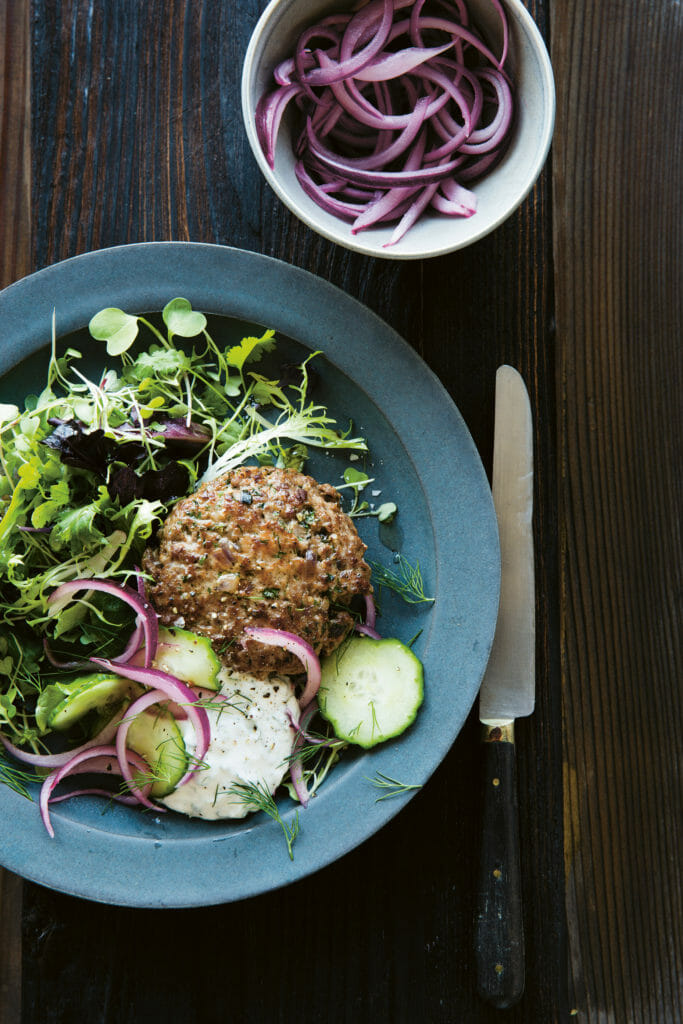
(499, 193)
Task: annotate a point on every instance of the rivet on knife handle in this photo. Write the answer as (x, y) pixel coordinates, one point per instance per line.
(499, 939)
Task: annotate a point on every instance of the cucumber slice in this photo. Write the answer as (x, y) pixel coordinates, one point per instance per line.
(155, 736)
(370, 690)
(100, 691)
(188, 657)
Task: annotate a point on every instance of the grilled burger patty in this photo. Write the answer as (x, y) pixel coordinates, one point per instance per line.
(259, 546)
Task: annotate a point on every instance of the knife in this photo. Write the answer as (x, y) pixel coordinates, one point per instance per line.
(507, 693)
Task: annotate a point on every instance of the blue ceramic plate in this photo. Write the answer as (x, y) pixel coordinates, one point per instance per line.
(422, 458)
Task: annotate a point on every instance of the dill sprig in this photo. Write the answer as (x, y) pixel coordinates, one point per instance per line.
(392, 786)
(16, 778)
(256, 797)
(317, 759)
(407, 581)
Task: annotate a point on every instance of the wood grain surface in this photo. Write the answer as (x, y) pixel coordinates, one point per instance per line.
(15, 262)
(618, 215)
(136, 135)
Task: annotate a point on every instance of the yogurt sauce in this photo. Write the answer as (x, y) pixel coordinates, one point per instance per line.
(251, 739)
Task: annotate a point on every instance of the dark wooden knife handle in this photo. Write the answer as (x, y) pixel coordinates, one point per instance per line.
(499, 930)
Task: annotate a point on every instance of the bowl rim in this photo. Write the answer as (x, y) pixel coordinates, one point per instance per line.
(519, 15)
(154, 862)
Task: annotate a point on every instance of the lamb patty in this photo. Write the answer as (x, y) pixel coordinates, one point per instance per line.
(259, 546)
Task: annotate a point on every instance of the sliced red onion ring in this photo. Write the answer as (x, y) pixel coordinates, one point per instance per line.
(53, 780)
(120, 798)
(54, 660)
(296, 646)
(319, 194)
(456, 199)
(391, 202)
(145, 612)
(361, 79)
(354, 103)
(492, 135)
(296, 770)
(382, 179)
(367, 631)
(461, 32)
(383, 155)
(351, 65)
(177, 691)
(57, 760)
(296, 774)
(147, 700)
(370, 611)
(391, 65)
(329, 28)
(269, 113)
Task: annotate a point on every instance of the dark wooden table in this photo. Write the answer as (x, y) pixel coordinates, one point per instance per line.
(120, 122)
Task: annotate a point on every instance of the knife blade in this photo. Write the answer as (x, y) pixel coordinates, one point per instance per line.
(507, 693)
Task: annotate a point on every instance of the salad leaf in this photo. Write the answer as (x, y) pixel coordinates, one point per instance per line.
(8, 413)
(386, 512)
(159, 363)
(155, 484)
(89, 468)
(181, 319)
(250, 349)
(117, 328)
(355, 478)
(78, 446)
(77, 528)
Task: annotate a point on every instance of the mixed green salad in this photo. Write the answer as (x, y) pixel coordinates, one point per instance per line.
(89, 469)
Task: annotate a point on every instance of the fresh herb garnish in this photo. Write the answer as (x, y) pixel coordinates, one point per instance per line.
(406, 580)
(256, 797)
(391, 786)
(301, 421)
(317, 755)
(357, 481)
(15, 777)
(89, 469)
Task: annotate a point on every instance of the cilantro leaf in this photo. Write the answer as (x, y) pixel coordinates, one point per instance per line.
(250, 349)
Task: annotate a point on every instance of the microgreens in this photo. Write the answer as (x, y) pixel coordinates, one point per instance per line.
(181, 319)
(357, 481)
(302, 422)
(90, 467)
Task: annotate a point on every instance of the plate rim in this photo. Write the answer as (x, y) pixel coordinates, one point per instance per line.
(220, 275)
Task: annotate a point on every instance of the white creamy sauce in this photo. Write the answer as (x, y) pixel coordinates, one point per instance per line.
(251, 739)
